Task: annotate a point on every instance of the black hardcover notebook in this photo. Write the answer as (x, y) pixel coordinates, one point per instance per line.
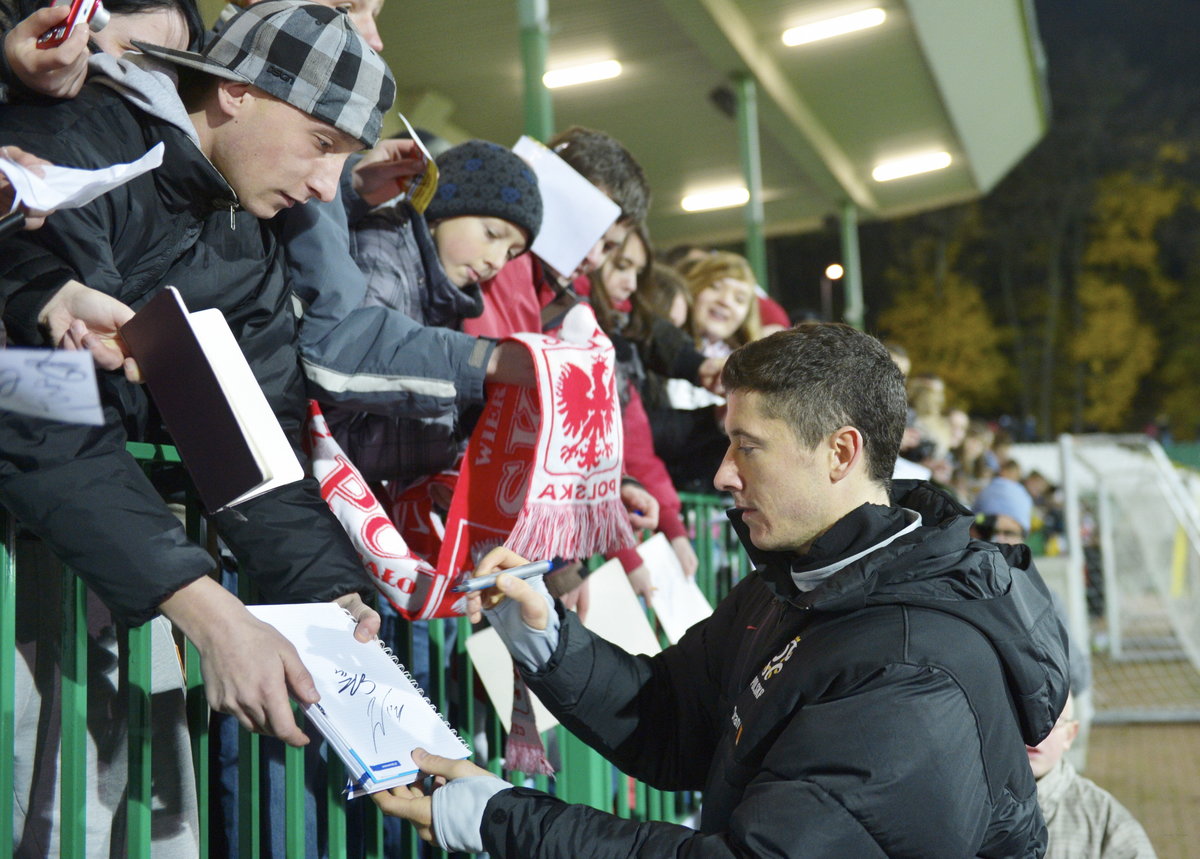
(227, 436)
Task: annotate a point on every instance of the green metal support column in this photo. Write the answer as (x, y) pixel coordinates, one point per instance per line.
(751, 158)
(535, 41)
(852, 263)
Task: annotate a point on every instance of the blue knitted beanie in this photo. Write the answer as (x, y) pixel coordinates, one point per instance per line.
(486, 180)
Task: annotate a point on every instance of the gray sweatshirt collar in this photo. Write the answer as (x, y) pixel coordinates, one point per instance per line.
(146, 83)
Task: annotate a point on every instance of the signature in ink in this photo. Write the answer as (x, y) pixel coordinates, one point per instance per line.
(354, 683)
(58, 370)
(379, 710)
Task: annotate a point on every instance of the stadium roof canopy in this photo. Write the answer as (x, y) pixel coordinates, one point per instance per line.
(964, 77)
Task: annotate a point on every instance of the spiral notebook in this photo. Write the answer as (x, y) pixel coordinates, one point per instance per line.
(371, 711)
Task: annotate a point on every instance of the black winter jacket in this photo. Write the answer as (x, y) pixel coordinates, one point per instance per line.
(75, 486)
(883, 713)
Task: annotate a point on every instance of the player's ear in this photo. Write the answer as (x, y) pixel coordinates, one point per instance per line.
(845, 451)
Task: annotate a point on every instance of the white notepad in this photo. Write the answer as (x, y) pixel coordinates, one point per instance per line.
(371, 711)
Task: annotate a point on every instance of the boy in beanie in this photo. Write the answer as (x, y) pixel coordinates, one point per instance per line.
(487, 208)
(487, 211)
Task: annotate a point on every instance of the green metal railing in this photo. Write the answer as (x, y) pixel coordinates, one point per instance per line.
(584, 776)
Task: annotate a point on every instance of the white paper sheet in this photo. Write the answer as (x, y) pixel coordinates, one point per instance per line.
(575, 213)
(71, 187)
(50, 383)
(678, 602)
(614, 612)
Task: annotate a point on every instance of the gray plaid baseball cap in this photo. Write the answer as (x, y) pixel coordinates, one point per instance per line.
(307, 55)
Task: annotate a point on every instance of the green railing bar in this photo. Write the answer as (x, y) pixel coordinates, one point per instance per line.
(196, 702)
(374, 833)
(624, 785)
(249, 784)
(73, 750)
(437, 666)
(198, 716)
(249, 767)
(335, 804)
(8, 668)
(144, 452)
(585, 776)
(495, 739)
(654, 804)
(293, 764)
(138, 803)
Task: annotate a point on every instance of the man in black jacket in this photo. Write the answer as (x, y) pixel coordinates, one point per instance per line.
(867, 691)
(271, 111)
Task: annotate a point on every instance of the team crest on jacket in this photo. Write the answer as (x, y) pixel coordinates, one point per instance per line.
(585, 403)
(773, 667)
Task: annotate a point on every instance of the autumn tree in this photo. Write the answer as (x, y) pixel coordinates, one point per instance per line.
(939, 315)
(1116, 344)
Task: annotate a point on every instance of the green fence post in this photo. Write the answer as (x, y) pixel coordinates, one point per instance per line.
(198, 716)
(335, 804)
(249, 817)
(138, 803)
(8, 668)
(295, 818)
(73, 749)
(586, 777)
(196, 701)
(249, 768)
(374, 833)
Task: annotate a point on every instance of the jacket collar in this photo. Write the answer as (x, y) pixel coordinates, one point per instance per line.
(877, 552)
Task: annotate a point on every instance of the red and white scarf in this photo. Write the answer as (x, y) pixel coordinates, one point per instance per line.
(542, 472)
(411, 585)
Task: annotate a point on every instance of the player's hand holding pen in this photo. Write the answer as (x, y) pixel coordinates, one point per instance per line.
(502, 574)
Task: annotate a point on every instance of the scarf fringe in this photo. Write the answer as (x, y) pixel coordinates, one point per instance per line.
(526, 757)
(574, 530)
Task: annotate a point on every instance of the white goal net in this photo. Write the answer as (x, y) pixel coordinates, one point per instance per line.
(1130, 575)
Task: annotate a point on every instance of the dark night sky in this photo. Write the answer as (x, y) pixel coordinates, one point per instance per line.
(1160, 39)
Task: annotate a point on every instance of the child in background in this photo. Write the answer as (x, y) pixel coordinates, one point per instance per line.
(724, 308)
(724, 316)
(486, 212)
